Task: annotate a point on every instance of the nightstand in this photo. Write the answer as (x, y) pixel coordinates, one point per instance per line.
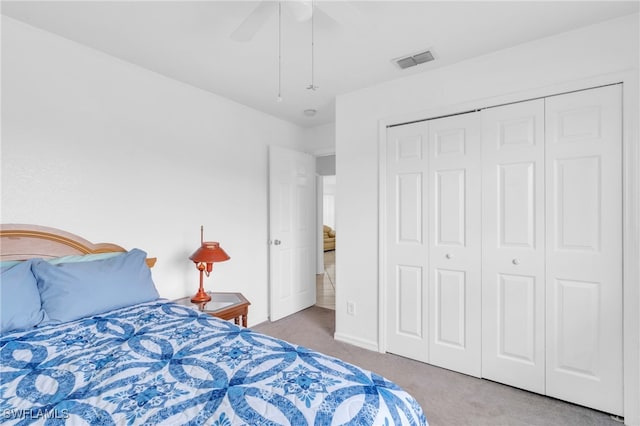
(225, 306)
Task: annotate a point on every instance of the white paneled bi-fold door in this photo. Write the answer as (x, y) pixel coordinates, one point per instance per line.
(433, 273)
(583, 157)
(408, 248)
(454, 243)
(513, 246)
(504, 244)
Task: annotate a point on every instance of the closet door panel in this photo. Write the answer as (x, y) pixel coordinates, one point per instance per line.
(516, 195)
(578, 190)
(407, 244)
(513, 313)
(584, 247)
(454, 252)
(449, 298)
(517, 319)
(450, 188)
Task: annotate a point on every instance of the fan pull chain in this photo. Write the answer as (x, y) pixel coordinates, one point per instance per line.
(312, 86)
(279, 98)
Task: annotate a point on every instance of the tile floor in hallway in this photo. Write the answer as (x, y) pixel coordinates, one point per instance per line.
(325, 283)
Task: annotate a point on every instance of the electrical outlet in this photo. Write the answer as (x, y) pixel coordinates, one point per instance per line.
(351, 308)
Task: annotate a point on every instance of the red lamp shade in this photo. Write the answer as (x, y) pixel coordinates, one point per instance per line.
(208, 253)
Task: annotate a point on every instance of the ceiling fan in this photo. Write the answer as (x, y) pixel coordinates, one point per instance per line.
(342, 12)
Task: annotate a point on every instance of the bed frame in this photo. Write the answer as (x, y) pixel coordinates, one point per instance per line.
(22, 242)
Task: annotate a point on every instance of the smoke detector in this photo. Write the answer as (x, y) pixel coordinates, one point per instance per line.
(413, 60)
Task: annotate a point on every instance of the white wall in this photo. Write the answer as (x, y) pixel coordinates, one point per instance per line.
(570, 57)
(321, 140)
(115, 153)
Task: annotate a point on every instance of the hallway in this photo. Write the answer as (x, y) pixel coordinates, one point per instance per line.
(325, 283)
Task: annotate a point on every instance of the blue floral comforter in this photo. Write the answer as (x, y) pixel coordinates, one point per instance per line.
(161, 363)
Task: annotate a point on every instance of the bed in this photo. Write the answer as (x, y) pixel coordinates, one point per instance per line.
(146, 360)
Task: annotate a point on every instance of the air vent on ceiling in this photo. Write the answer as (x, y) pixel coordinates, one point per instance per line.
(413, 60)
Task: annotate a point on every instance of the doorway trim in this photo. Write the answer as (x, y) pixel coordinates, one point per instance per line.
(326, 152)
(630, 209)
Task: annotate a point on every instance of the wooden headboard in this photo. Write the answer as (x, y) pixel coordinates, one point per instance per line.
(21, 242)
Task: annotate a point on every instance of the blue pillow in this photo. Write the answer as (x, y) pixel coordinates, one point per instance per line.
(20, 306)
(70, 291)
(72, 258)
(6, 264)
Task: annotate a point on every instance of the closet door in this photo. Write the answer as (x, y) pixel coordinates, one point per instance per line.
(407, 242)
(513, 290)
(584, 248)
(454, 235)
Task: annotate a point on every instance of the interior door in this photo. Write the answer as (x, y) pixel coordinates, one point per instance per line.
(292, 237)
(584, 247)
(407, 243)
(454, 243)
(513, 247)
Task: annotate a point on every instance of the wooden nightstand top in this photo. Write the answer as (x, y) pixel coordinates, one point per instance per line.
(222, 305)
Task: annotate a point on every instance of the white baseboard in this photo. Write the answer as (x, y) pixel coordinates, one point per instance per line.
(356, 341)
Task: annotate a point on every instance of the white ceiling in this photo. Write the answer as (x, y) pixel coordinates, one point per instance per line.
(355, 42)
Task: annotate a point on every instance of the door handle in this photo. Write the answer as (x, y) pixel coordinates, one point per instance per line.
(515, 261)
(276, 242)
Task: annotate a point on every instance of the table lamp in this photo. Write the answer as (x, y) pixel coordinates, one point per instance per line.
(209, 252)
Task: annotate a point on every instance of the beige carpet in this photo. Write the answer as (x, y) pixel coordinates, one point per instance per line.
(448, 398)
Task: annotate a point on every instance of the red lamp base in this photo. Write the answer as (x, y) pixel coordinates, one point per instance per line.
(200, 297)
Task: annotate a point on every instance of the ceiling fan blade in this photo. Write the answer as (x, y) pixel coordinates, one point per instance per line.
(301, 10)
(253, 22)
(343, 12)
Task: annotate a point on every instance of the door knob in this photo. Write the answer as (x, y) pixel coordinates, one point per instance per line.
(515, 261)
(276, 242)
(448, 256)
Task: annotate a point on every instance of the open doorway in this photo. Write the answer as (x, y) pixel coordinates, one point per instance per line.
(327, 233)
